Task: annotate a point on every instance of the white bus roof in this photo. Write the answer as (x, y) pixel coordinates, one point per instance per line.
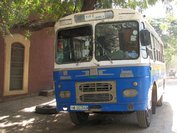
(102, 15)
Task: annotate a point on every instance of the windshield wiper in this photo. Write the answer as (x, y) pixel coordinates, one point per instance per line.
(105, 51)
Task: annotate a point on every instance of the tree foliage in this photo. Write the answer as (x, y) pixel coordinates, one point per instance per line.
(28, 13)
(37, 14)
(167, 29)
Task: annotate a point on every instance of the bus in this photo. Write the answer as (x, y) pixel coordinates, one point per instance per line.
(108, 60)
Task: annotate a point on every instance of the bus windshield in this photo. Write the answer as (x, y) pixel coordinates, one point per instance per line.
(74, 45)
(117, 41)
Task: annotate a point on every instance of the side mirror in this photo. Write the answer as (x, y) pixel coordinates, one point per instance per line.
(145, 37)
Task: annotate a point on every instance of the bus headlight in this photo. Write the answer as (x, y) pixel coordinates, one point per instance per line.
(135, 83)
(65, 94)
(130, 93)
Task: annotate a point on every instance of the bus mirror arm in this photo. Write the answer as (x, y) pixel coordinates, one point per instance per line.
(145, 37)
(145, 56)
(147, 51)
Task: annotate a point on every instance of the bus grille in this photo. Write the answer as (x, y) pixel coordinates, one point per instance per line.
(96, 92)
(93, 87)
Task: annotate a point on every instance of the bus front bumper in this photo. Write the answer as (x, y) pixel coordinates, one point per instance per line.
(101, 107)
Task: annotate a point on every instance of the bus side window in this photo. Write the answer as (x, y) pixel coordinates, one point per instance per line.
(150, 50)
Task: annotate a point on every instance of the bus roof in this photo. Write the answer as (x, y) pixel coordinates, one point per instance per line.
(97, 15)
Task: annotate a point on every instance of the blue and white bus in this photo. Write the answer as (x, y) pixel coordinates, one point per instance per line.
(108, 60)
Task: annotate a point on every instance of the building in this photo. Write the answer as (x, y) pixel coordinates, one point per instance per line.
(26, 65)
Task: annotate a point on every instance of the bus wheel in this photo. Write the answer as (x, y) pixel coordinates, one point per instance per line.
(160, 102)
(153, 108)
(144, 118)
(154, 101)
(46, 109)
(79, 118)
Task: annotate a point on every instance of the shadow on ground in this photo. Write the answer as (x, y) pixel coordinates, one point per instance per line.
(19, 117)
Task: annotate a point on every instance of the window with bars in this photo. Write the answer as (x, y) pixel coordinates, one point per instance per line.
(17, 66)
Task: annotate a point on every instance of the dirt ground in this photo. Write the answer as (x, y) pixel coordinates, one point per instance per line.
(18, 116)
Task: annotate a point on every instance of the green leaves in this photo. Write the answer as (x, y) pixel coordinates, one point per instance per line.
(167, 29)
(24, 12)
(142, 4)
(14, 12)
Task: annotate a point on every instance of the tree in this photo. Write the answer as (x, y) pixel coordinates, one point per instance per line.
(34, 15)
(167, 29)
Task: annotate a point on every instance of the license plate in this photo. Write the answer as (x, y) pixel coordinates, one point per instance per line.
(78, 107)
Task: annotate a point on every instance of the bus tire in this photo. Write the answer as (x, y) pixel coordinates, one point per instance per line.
(154, 101)
(78, 118)
(46, 109)
(153, 108)
(160, 102)
(144, 118)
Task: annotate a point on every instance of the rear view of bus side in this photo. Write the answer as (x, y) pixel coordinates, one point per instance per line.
(108, 60)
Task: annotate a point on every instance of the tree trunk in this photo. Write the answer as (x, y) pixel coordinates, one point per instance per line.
(88, 5)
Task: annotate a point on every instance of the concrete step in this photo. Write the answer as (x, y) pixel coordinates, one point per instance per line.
(46, 92)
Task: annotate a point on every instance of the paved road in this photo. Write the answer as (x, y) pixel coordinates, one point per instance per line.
(18, 116)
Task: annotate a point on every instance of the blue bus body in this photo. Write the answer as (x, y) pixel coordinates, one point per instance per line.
(140, 74)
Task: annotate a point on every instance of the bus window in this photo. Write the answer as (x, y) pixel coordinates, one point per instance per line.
(59, 50)
(74, 45)
(117, 41)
